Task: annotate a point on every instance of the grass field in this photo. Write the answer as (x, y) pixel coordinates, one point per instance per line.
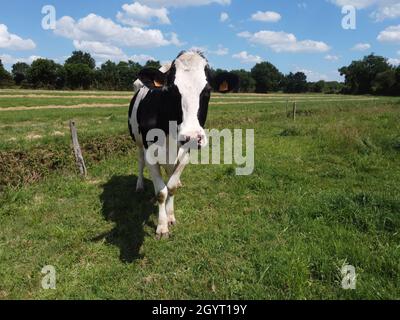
(325, 192)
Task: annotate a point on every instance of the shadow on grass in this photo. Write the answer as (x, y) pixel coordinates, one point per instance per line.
(130, 211)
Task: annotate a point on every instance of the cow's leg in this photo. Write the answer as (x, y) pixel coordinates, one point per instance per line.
(140, 181)
(173, 184)
(161, 193)
(170, 200)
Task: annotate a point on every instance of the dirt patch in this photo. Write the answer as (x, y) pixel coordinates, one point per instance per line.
(108, 105)
(33, 136)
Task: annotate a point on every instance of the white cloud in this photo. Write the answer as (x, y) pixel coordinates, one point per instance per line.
(361, 47)
(99, 29)
(183, 3)
(221, 51)
(137, 15)
(141, 58)
(390, 34)
(267, 16)
(313, 76)
(224, 17)
(8, 59)
(284, 42)
(358, 4)
(386, 9)
(100, 51)
(331, 57)
(244, 57)
(394, 61)
(13, 42)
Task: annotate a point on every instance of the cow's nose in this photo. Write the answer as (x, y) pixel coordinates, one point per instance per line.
(193, 141)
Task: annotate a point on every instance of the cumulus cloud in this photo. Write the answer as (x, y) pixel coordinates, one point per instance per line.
(385, 9)
(183, 3)
(224, 17)
(245, 57)
(284, 42)
(141, 58)
(221, 51)
(99, 29)
(331, 57)
(8, 59)
(390, 34)
(313, 76)
(361, 47)
(100, 51)
(13, 42)
(138, 15)
(267, 16)
(394, 61)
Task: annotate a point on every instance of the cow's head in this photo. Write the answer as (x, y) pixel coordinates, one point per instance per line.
(189, 81)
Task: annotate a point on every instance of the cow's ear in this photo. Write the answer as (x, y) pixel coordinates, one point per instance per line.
(226, 82)
(152, 78)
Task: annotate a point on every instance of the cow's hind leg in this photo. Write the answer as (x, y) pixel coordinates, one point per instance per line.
(140, 181)
(161, 193)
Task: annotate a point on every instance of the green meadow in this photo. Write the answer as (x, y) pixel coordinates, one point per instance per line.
(325, 192)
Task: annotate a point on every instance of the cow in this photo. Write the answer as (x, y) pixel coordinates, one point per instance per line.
(181, 94)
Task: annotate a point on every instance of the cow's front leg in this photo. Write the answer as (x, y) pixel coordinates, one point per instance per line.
(161, 193)
(174, 182)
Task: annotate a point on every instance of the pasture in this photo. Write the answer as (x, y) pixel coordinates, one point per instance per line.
(325, 192)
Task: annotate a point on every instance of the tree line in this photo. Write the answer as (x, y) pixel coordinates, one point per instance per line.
(371, 75)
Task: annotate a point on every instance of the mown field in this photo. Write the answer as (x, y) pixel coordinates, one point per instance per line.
(325, 192)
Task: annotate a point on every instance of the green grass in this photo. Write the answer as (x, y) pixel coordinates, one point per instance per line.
(325, 192)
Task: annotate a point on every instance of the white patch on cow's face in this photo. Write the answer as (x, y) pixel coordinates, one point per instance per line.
(191, 79)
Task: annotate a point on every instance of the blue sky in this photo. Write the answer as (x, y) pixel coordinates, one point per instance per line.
(304, 35)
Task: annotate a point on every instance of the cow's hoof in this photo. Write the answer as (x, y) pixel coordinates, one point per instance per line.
(162, 232)
(161, 236)
(179, 184)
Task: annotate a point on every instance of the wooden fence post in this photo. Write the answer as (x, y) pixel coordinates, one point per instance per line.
(294, 110)
(77, 149)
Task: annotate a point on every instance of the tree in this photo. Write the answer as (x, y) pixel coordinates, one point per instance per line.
(153, 64)
(79, 57)
(359, 75)
(295, 83)
(20, 72)
(316, 87)
(44, 73)
(247, 83)
(5, 76)
(128, 73)
(267, 77)
(78, 76)
(107, 76)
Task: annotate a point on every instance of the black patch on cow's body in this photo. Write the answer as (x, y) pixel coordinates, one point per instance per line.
(130, 115)
(204, 102)
(157, 109)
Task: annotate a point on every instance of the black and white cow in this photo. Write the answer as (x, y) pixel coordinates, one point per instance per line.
(181, 93)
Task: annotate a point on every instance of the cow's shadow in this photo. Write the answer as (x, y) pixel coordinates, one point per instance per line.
(130, 211)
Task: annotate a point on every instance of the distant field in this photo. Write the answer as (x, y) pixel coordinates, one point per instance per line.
(325, 192)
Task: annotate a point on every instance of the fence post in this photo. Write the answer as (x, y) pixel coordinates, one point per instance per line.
(77, 149)
(294, 110)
